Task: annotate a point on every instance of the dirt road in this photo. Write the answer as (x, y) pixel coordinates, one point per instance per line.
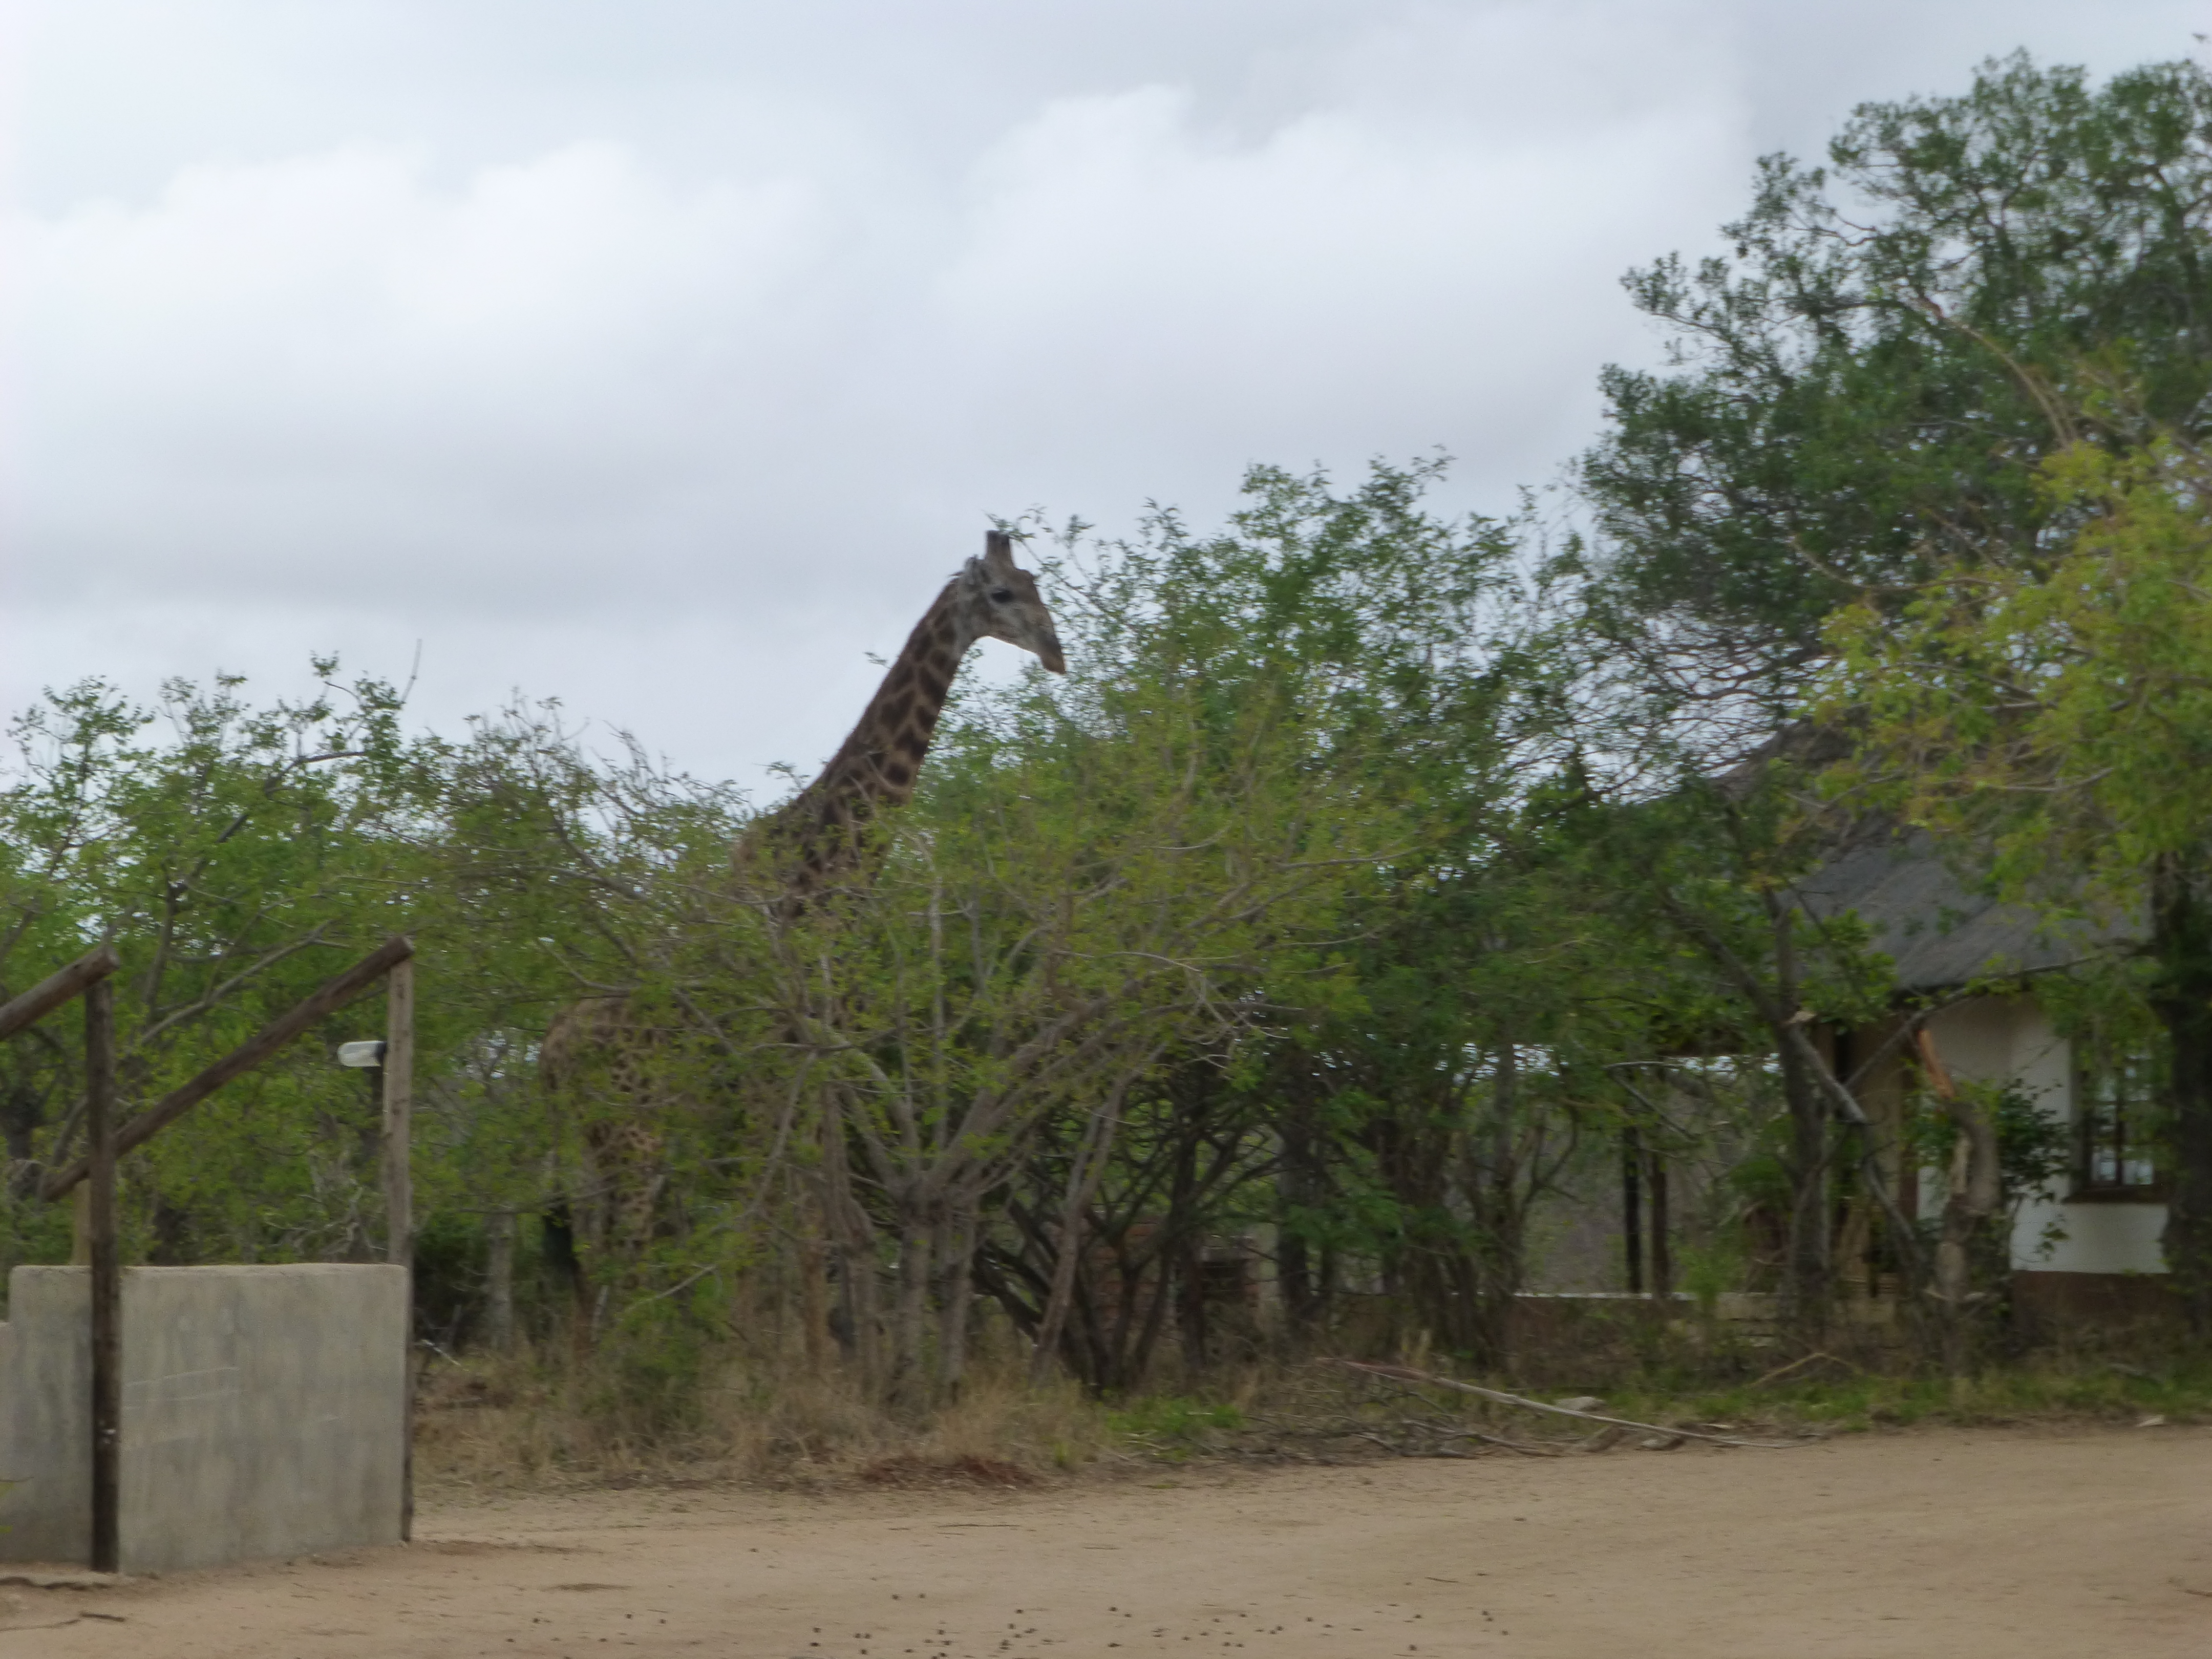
(1956, 1544)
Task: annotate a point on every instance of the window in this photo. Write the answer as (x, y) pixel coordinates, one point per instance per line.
(2115, 1120)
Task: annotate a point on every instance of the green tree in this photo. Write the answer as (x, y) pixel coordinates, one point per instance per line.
(238, 854)
(1860, 392)
(1845, 380)
(231, 854)
(1152, 861)
(2050, 699)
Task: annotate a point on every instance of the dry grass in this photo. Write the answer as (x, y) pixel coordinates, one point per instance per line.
(540, 1420)
(527, 1420)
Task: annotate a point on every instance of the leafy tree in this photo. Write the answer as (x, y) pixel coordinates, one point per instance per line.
(1149, 862)
(1844, 382)
(2051, 699)
(237, 855)
(1860, 394)
(235, 864)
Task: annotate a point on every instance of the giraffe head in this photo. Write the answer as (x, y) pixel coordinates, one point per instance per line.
(1002, 602)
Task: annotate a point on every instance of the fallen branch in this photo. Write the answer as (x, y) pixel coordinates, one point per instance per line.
(1781, 1371)
(1400, 1451)
(1416, 1438)
(1408, 1374)
(1500, 1440)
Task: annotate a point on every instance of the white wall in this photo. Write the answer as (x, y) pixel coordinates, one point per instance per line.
(1992, 1038)
(264, 1413)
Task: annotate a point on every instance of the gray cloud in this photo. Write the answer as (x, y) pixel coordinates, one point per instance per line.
(664, 357)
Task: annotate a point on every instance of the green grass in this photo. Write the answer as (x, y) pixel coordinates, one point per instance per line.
(2179, 1390)
(1840, 1399)
(1174, 1425)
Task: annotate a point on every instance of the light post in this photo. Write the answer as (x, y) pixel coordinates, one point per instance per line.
(367, 1055)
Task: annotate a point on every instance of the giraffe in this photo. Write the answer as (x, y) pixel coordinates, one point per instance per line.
(817, 834)
(789, 856)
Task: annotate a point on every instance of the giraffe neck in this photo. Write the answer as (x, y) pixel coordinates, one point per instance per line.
(878, 762)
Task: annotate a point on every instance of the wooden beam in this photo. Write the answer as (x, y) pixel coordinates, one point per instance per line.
(50, 993)
(106, 1279)
(334, 994)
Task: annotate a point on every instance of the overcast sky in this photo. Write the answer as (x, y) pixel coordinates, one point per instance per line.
(665, 356)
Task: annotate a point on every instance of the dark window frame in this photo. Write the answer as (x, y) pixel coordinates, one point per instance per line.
(2116, 1104)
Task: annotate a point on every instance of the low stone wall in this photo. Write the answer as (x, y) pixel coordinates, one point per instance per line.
(2053, 1305)
(263, 1412)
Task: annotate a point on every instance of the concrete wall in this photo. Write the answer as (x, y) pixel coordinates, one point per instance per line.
(263, 1412)
(1998, 1038)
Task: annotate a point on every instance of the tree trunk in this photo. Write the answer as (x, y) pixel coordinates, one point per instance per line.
(1294, 1285)
(1631, 1206)
(1811, 1090)
(1085, 1169)
(1806, 1286)
(2181, 941)
(1187, 1273)
(854, 1237)
(1183, 1267)
(1973, 1191)
(1494, 1200)
(813, 1292)
(955, 1256)
(1452, 1181)
(1303, 1275)
(910, 1359)
(499, 1288)
(1141, 1357)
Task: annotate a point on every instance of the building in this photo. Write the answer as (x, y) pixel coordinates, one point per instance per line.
(2087, 1247)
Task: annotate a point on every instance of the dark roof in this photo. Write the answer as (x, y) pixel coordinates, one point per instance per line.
(1938, 930)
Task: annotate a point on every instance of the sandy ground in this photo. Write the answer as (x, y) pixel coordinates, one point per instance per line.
(1958, 1544)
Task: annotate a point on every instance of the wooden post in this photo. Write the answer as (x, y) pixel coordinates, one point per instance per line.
(399, 1195)
(399, 1107)
(106, 1279)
